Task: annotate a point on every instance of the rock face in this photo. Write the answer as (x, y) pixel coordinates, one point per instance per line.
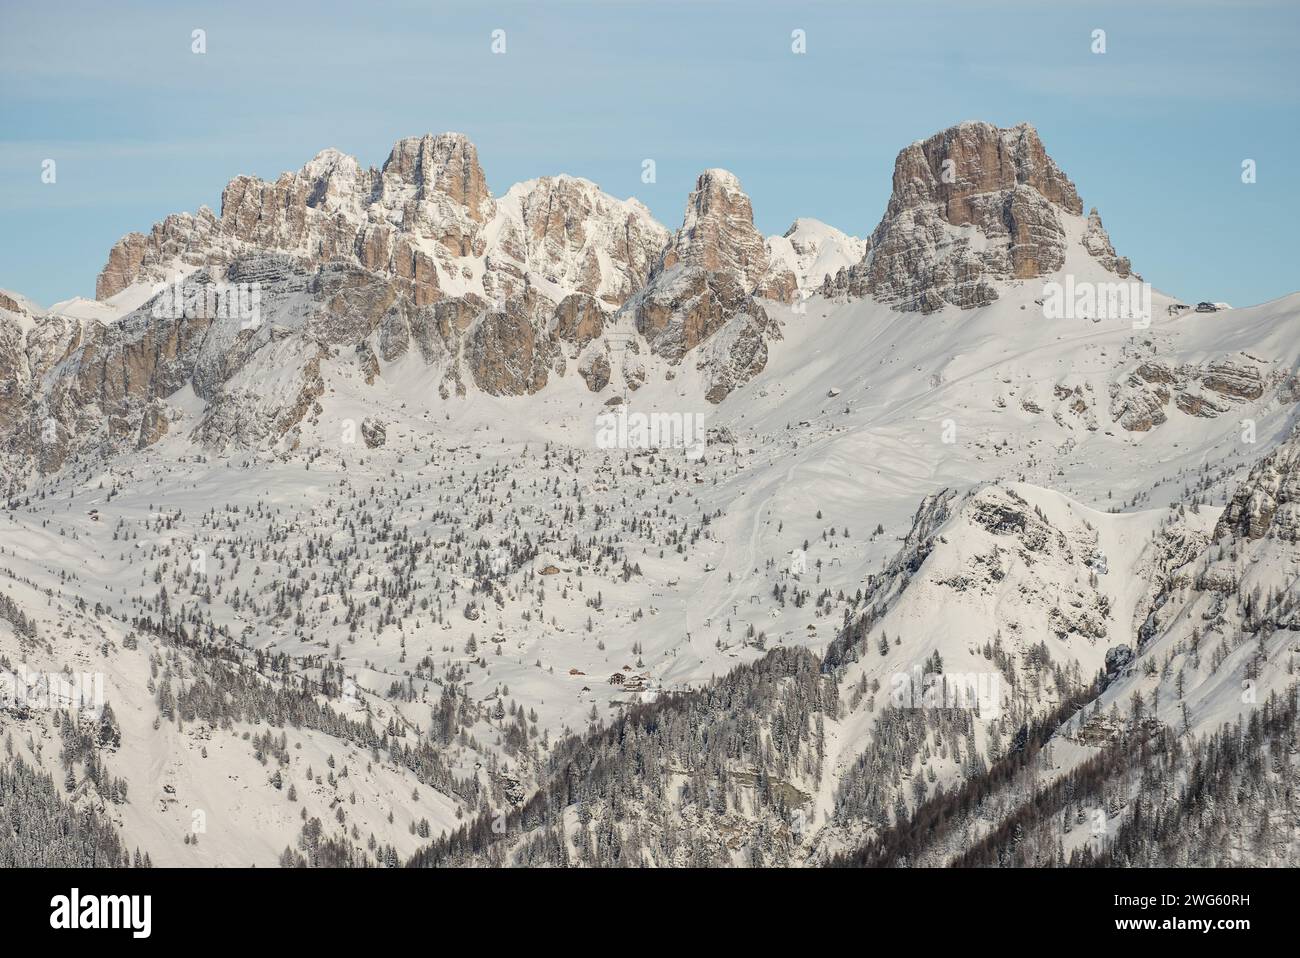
(373, 432)
(972, 207)
(441, 166)
(564, 234)
(506, 355)
(1207, 390)
(686, 307)
(1268, 501)
(15, 367)
(706, 290)
(1118, 658)
(718, 236)
(579, 319)
(1097, 243)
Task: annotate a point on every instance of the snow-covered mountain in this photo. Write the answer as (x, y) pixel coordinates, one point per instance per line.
(813, 251)
(381, 506)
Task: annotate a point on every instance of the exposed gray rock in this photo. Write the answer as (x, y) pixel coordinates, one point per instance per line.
(373, 432)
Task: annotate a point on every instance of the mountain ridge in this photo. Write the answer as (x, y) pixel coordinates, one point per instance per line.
(508, 294)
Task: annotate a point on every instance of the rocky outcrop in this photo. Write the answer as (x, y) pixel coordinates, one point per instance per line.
(738, 354)
(263, 404)
(439, 167)
(1140, 410)
(709, 282)
(563, 234)
(1236, 378)
(507, 354)
(1268, 501)
(1208, 390)
(984, 160)
(1097, 242)
(373, 432)
(578, 320)
(15, 367)
(595, 371)
(1118, 658)
(686, 307)
(972, 207)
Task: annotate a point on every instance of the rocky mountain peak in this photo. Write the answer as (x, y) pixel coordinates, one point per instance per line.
(331, 163)
(706, 285)
(972, 207)
(446, 163)
(718, 233)
(336, 179)
(814, 251)
(568, 235)
(954, 167)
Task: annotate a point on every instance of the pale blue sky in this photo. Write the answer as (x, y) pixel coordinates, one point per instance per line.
(1153, 132)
